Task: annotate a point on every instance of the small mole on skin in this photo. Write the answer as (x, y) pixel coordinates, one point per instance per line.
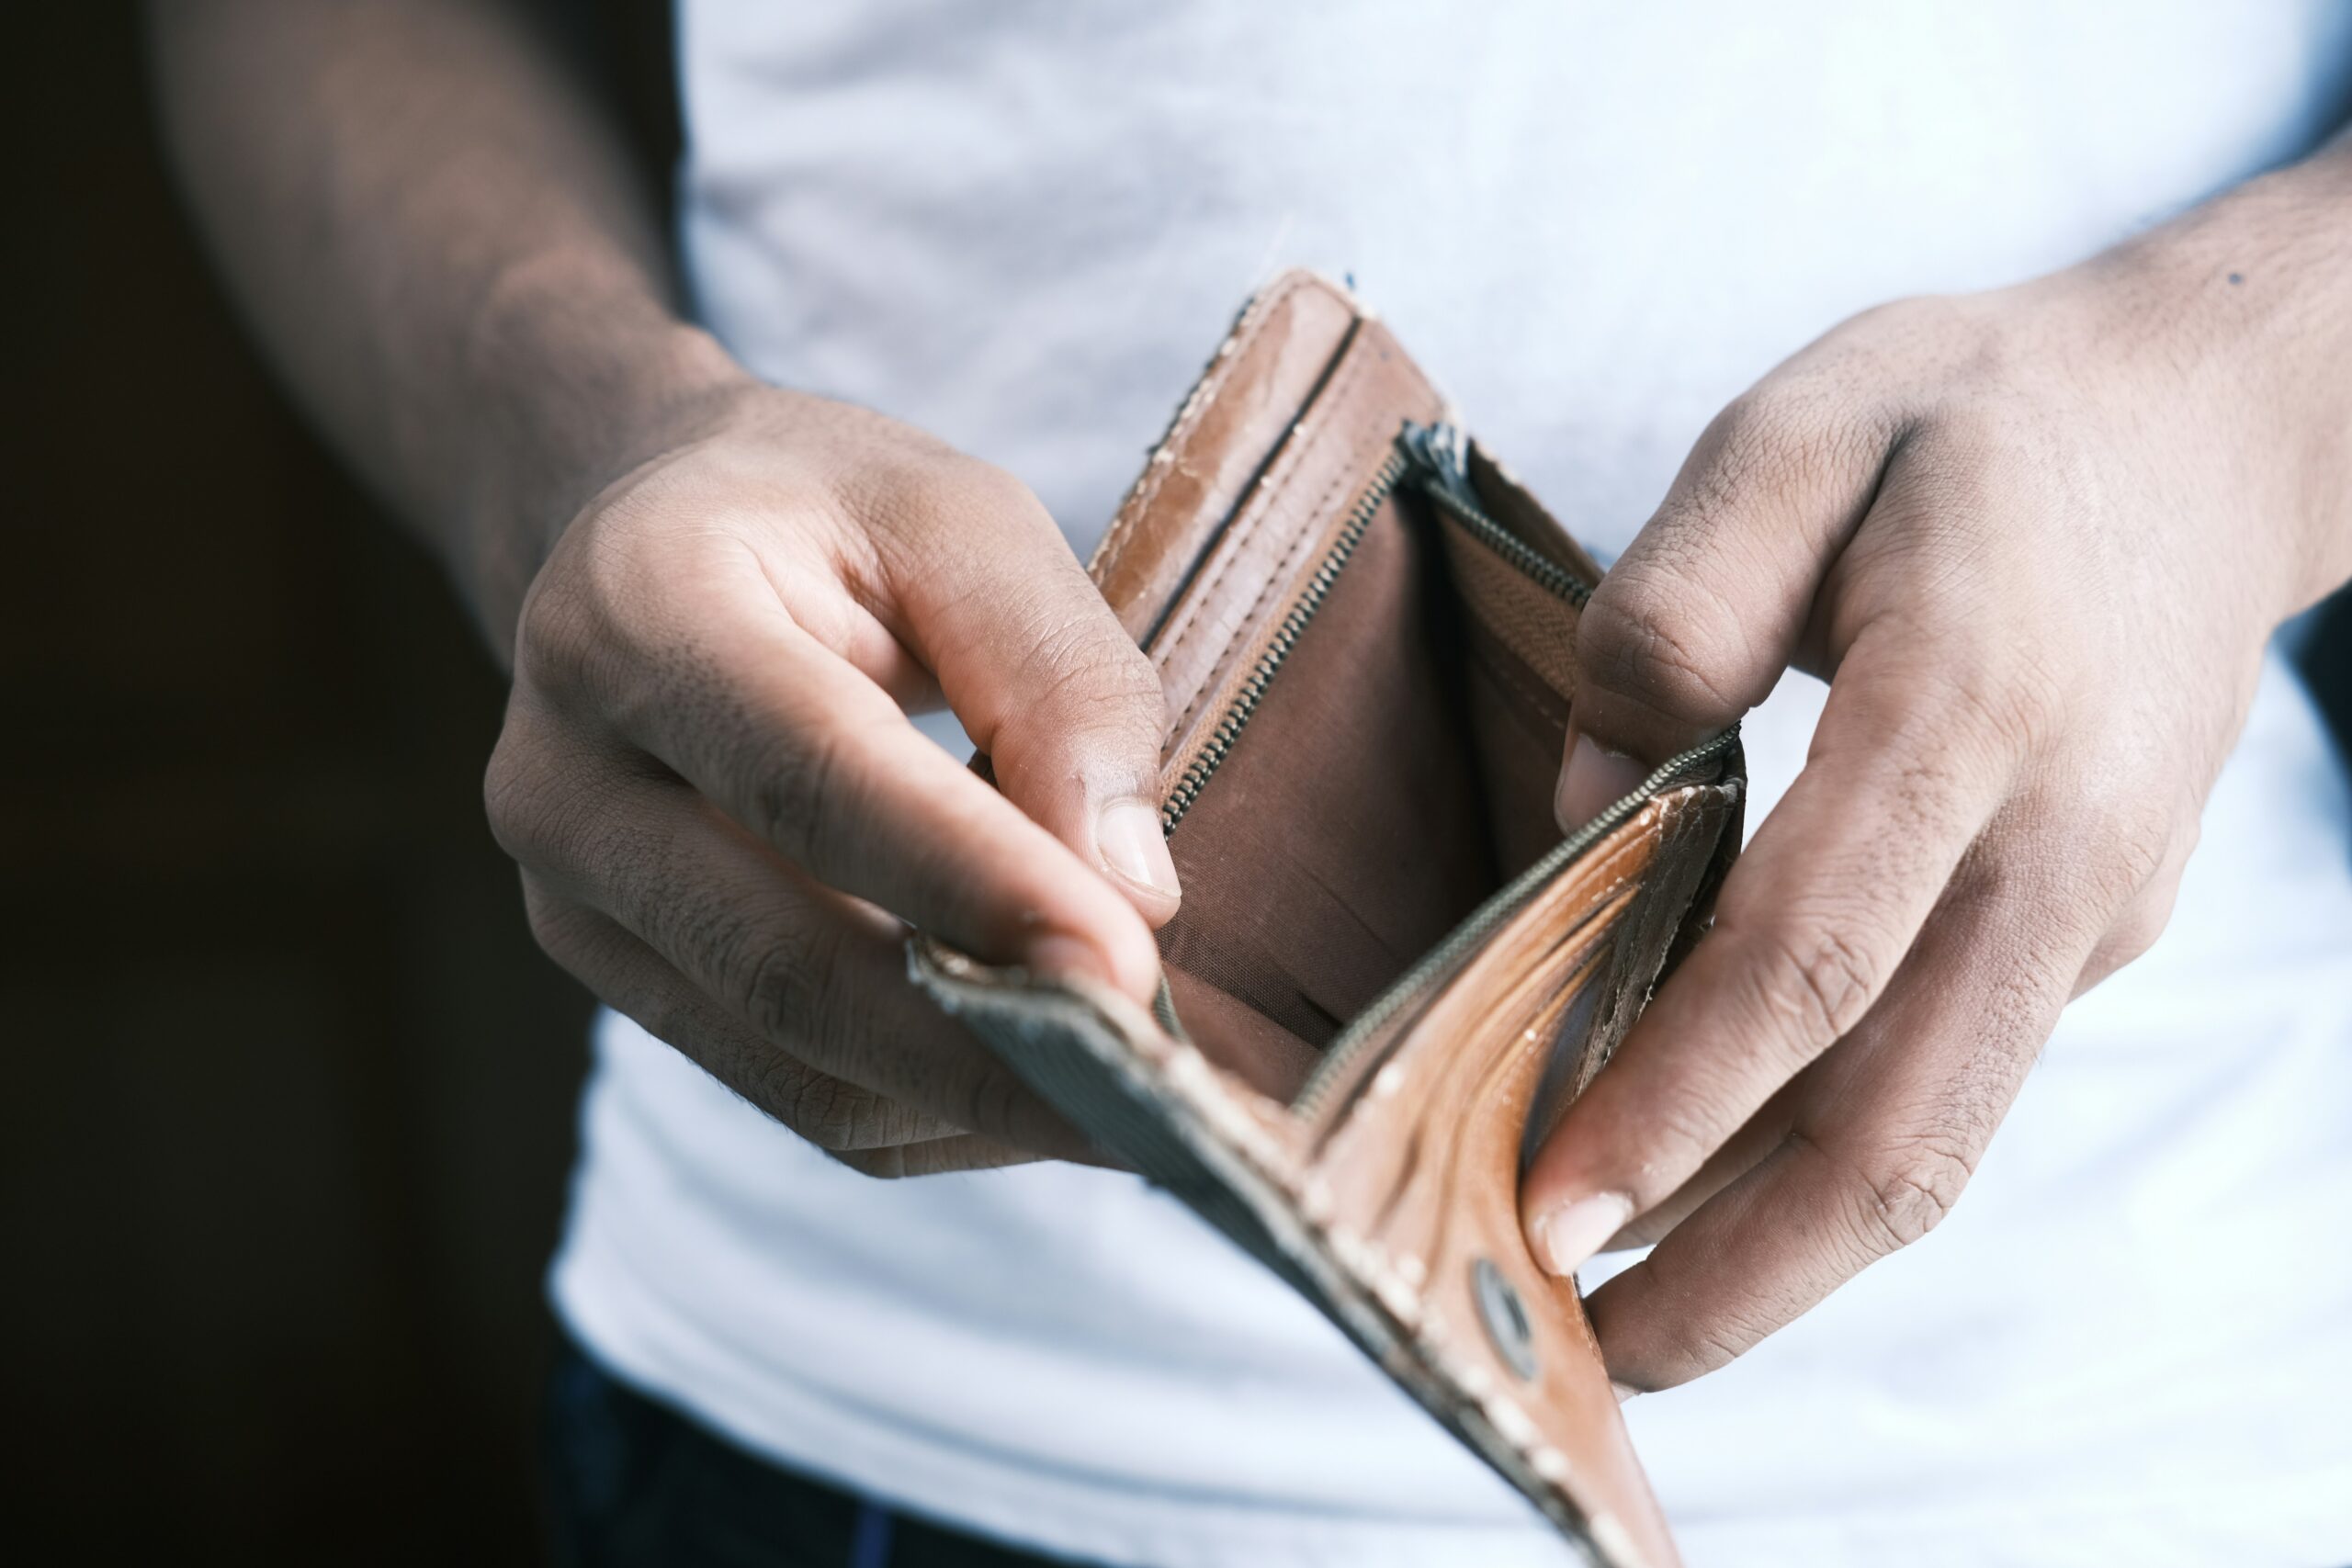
(2237, 278)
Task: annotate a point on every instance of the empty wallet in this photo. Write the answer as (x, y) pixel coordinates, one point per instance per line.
(1390, 973)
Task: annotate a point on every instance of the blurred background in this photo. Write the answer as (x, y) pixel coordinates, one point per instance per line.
(289, 1089)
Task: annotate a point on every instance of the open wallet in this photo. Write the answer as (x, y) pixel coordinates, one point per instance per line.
(1390, 973)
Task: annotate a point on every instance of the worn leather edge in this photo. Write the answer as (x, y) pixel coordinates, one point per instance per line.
(1282, 346)
(1700, 918)
(1260, 564)
(1100, 1060)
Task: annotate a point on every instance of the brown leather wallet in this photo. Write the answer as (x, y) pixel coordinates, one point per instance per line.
(1390, 973)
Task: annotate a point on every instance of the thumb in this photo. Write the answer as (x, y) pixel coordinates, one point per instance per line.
(1697, 620)
(1045, 680)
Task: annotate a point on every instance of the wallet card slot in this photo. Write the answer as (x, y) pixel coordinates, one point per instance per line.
(1349, 1056)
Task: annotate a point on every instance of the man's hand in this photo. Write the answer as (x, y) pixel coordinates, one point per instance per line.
(716, 595)
(722, 810)
(2036, 540)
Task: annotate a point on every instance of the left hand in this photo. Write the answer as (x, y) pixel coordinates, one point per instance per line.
(2036, 540)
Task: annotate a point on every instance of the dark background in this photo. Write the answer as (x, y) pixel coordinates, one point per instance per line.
(288, 1089)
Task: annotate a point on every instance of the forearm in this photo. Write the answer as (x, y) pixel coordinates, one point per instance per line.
(441, 245)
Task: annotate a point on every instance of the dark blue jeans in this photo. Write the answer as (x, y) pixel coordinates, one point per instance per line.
(634, 1484)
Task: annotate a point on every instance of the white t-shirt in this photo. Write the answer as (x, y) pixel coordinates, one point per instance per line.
(1021, 226)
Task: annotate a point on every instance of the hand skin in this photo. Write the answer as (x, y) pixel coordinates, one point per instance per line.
(2036, 540)
(718, 596)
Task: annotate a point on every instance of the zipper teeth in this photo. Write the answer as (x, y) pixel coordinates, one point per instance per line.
(1548, 572)
(1221, 739)
(1415, 451)
(1342, 1053)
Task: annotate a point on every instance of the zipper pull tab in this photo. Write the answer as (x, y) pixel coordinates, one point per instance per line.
(1440, 455)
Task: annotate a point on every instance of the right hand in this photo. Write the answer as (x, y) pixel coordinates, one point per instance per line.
(723, 816)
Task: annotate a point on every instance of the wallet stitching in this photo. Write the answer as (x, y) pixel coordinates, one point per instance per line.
(1224, 366)
(1318, 509)
(1272, 487)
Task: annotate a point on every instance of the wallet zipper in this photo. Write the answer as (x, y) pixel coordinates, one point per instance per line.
(1440, 458)
(1372, 1027)
(1435, 457)
(1197, 773)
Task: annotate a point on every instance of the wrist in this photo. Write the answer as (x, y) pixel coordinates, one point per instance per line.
(578, 391)
(2244, 308)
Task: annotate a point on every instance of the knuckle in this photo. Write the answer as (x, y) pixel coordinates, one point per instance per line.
(784, 980)
(2132, 936)
(2131, 849)
(511, 795)
(555, 807)
(1646, 634)
(1095, 682)
(1908, 1191)
(588, 602)
(825, 1111)
(1823, 419)
(2137, 902)
(1814, 977)
(1763, 428)
(2012, 702)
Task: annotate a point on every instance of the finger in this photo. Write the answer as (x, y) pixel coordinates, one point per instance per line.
(635, 981)
(2128, 936)
(937, 1156)
(809, 980)
(1886, 1134)
(960, 1152)
(809, 754)
(1906, 767)
(1698, 619)
(1042, 675)
(1756, 1137)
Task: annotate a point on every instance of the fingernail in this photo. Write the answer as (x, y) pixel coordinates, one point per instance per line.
(1621, 1391)
(1129, 839)
(1574, 1231)
(1594, 778)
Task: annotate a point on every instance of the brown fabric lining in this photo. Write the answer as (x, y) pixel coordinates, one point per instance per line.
(1399, 769)
(1536, 625)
